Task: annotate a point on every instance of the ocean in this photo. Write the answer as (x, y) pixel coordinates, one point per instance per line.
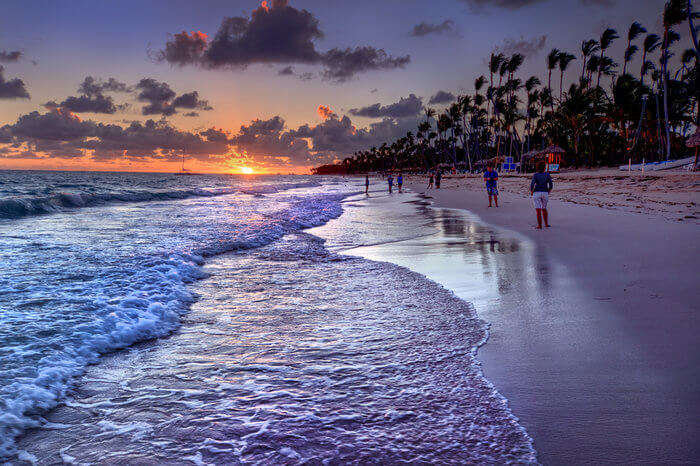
(155, 318)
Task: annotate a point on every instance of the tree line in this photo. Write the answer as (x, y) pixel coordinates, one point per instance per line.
(613, 112)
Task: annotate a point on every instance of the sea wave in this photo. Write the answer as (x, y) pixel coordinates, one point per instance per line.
(24, 206)
(152, 297)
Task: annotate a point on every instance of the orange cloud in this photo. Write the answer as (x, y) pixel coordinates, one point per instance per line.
(326, 113)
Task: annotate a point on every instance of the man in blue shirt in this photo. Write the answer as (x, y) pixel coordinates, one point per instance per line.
(391, 182)
(491, 179)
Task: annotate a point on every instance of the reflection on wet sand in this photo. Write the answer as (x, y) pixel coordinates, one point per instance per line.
(494, 264)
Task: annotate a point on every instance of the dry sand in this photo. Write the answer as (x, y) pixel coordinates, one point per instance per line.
(607, 368)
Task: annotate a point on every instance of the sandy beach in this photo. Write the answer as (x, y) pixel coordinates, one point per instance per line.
(673, 195)
(601, 365)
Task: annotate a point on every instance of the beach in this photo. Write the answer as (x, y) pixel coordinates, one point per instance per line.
(600, 366)
(291, 320)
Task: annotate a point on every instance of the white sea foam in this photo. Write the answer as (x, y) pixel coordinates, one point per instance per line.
(124, 293)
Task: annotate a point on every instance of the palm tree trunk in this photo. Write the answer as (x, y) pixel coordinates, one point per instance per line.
(665, 78)
(641, 71)
(602, 54)
(561, 84)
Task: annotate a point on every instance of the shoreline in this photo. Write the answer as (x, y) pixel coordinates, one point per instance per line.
(617, 349)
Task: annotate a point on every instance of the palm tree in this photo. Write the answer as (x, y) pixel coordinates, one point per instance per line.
(606, 40)
(634, 31)
(651, 43)
(675, 12)
(564, 59)
(588, 48)
(494, 66)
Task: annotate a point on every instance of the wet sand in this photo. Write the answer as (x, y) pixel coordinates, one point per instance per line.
(594, 322)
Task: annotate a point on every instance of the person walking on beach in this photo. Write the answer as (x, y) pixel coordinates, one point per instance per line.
(430, 181)
(390, 180)
(367, 184)
(438, 178)
(399, 182)
(491, 180)
(540, 186)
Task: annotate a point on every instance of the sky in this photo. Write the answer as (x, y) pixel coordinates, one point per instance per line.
(278, 86)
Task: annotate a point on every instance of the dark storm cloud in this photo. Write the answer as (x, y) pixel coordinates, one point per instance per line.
(423, 29)
(13, 88)
(442, 97)
(275, 33)
(343, 64)
(60, 133)
(9, 57)
(506, 4)
(406, 107)
(526, 47)
(162, 100)
(191, 114)
(286, 71)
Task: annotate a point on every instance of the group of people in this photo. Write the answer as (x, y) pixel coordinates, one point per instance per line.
(540, 187)
(390, 181)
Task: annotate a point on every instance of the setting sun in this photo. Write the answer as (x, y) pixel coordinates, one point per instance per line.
(246, 170)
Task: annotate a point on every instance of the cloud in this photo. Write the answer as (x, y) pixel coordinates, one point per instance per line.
(526, 47)
(98, 103)
(267, 141)
(343, 64)
(598, 2)
(286, 71)
(62, 134)
(406, 107)
(184, 48)
(93, 99)
(8, 57)
(326, 112)
(13, 88)
(191, 114)
(275, 33)
(191, 100)
(442, 97)
(162, 100)
(92, 86)
(338, 137)
(423, 29)
(479, 5)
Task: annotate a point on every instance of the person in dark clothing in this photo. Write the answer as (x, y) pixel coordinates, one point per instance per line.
(540, 186)
(438, 178)
(430, 181)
